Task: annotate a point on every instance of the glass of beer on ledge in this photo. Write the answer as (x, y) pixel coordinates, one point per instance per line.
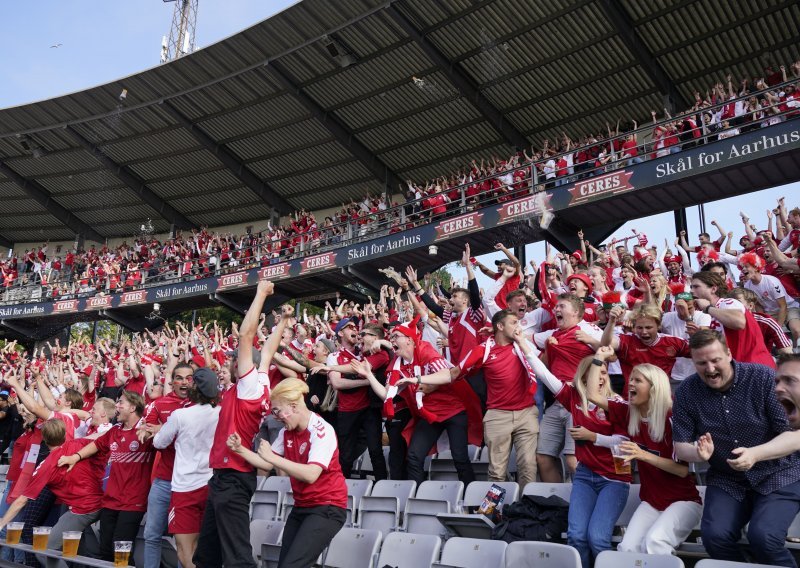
(70, 541)
(122, 552)
(40, 536)
(14, 532)
(621, 467)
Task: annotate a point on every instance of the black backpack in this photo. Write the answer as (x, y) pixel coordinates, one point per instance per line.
(533, 518)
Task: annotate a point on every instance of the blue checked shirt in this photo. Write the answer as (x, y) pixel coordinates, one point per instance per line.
(746, 415)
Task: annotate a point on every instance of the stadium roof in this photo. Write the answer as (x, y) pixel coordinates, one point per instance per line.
(326, 101)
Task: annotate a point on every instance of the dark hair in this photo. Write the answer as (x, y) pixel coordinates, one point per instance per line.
(499, 317)
(784, 358)
(374, 329)
(705, 337)
(709, 265)
(704, 235)
(135, 399)
(459, 290)
(182, 365)
(199, 398)
(710, 279)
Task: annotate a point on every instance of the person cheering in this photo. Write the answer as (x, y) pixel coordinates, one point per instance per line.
(306, 450)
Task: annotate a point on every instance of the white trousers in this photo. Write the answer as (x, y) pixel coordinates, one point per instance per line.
(660, 532)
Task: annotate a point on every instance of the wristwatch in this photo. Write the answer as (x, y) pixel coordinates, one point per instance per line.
(419, 379)
(708, 307)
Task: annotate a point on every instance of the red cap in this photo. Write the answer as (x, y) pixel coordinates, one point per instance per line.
(583, 278)
(677, 258)
(409, 329)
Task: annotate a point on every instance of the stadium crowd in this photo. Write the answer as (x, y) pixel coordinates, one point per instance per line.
(605, 356)
(753, 103)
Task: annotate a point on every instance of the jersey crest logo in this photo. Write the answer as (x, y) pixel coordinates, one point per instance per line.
(134, 446)
(303, 448)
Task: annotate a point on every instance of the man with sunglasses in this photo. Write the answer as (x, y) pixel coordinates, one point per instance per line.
(355, 411)
(155, 416)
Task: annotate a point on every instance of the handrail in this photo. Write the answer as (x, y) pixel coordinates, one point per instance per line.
(421, 213)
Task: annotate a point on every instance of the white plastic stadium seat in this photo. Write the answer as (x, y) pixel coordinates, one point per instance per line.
(614, 559)
(477, 490)
(541, 489)
(530, 554)
(353, 548)
(356, 489)
(382, 507)
(264, 532)
(450, 491)
(266, 505)
(406, 550)
(473, 553)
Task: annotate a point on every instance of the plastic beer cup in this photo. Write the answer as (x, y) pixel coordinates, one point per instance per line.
(70, 541)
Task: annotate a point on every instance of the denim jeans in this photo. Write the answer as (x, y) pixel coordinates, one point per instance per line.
(769, 517)
(9, 553)
(156, 525)
(594, 507)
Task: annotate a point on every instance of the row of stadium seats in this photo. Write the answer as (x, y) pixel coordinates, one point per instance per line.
(438, 508)
(367, 548)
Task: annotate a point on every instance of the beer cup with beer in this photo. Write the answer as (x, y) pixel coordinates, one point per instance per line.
(70, 541)
(621, 467)
(40, 536)
(14, 532)
(122, 552)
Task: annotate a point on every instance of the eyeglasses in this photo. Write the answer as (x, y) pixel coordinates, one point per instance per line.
(363, 333)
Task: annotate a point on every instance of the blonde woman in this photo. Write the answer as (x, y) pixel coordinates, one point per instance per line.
(670, 506)
(306, 450)
(599, 493)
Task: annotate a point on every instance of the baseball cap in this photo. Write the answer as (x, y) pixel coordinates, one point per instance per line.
(207, 382)
(329, 345)
(343, 324)
(502, 261)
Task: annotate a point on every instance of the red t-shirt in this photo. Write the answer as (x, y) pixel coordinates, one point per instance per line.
(131, 465)
(314, 445)
(137, 385)
(746, 345)
(507, 381)
(633, 351)
(598, 459)
(563, 356)
(157, 412)
(349, 400)
(89, 398)
(629, 148)
(80, 489)
(241, 415)
(660, 489)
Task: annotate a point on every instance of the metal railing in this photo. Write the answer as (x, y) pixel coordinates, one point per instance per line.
(417, 212)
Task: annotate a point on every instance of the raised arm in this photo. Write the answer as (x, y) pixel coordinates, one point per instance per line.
(247, 331)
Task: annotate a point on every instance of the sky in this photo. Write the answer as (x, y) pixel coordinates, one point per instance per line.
(101, 41)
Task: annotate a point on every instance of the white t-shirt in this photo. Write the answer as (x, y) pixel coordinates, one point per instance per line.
(671, 324)
(192, 429)
(768, 291)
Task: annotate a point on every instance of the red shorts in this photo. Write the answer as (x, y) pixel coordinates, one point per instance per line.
(186, 511)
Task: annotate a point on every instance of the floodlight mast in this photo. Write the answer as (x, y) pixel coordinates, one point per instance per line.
(181, 40)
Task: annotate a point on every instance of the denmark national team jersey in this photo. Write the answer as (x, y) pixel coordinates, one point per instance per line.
(157, 412)
(565, 352)
(508, 386)
(745, 344)
(314, 445)
(349, 400)
(660, 489)
(598, 459)
(662, 353)
(769, 291)
(80, 489)
(462, 331)
(131, 465)
(242, 408)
